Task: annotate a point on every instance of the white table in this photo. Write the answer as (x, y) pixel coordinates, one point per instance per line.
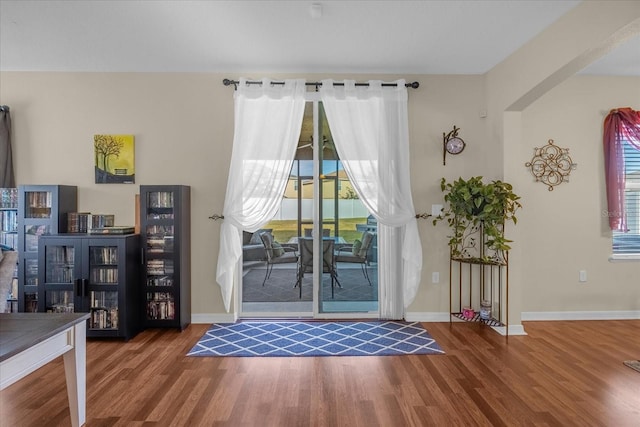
(31, 340)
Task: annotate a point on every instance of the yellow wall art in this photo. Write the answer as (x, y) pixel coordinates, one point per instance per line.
(114, 159)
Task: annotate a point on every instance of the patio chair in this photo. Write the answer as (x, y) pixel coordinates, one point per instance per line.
(276, 254)
(308, 232)
(306, 261)
(357, 253)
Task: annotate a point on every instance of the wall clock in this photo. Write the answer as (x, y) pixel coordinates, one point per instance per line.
(452, 144)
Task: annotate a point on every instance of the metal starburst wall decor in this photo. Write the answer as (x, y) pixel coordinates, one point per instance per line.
(551, 165)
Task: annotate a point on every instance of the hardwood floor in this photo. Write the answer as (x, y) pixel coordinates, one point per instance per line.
(561, 374)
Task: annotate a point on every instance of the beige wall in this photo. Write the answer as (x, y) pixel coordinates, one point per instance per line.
(564, 230)
(183, 125)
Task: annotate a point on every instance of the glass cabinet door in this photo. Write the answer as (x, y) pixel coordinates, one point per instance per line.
(42, 211)
(60, 284)
(103, 282)
(165, 232)
(159, 250)
(38, 204)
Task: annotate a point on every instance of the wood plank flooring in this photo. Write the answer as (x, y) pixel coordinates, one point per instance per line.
(561, 374)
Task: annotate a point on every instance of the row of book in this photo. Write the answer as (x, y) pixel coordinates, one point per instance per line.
(9, 221)
(59, 274)
(156, 215)
(161, 245)
(39, 199)
(160, 281)
(103, 255)
(116, 229)
(104, 299)
(161, 309)
(104, 318)
(161, 199)
(65, 274)
(60, 301)
(31, 271)
(159, 267)
(82, 222)
(61, 255)
(104, 275)
(9, 239)
(9, 198)
(61, 308)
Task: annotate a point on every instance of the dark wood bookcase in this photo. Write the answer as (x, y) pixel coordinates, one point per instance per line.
(42, 210)
(95, 274)
(165, 227)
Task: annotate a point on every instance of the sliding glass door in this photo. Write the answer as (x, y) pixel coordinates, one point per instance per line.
(348, 283)
(324, 224)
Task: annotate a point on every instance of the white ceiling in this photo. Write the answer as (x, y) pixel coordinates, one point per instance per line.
(367, 37)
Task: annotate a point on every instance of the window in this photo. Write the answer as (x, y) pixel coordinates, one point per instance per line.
(629, 243)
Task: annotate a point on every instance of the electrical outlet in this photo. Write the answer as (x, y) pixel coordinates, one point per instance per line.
(435, 277)
(582, 275)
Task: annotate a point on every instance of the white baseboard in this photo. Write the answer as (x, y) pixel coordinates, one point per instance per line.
(513, 330)
(517, 329)
(580, 315)
(213, 318)
(445, 317)
(426, 317)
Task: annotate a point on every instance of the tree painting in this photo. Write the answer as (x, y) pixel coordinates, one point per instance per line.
(114, 159)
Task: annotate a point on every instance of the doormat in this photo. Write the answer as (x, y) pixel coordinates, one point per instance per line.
(313, 338)
(633, 364)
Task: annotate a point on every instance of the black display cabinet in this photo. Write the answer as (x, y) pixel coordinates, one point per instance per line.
(165, 227)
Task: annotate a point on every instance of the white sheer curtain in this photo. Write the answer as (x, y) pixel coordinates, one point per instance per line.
(268, 119)
(370, 129)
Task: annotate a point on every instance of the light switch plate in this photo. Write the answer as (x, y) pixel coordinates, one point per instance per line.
(582, 275)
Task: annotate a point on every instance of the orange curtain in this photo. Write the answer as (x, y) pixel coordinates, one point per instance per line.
(620, 124)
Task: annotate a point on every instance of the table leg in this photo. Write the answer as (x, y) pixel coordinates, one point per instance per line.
(75, 369)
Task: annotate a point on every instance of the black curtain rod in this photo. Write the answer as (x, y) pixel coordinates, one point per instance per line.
(227, 82)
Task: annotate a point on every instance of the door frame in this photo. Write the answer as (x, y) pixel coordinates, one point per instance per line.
(314, 98)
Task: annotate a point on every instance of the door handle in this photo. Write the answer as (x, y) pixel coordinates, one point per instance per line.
(85, 287)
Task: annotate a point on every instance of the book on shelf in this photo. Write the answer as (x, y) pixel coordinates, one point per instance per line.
(82, 222)
(9, 220)
(116, 229)
(77, 222)
(8, 198)
(102, 220)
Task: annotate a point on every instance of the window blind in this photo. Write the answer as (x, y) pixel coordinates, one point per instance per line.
(629, 243)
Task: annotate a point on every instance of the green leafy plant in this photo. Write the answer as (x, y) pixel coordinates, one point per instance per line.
(474, 208)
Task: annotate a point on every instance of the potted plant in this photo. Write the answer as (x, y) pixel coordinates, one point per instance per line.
(478, 211)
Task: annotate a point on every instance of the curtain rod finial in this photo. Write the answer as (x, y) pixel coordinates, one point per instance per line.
(228, 82)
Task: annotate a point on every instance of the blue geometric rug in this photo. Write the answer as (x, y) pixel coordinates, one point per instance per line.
(313, 338)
